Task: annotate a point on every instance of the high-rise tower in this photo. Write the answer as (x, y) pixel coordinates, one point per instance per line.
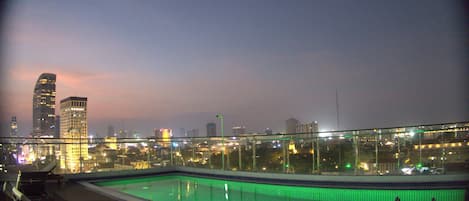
(292, 123)
(13, 127)
(74, 127)
(44, 106)
(211, 129)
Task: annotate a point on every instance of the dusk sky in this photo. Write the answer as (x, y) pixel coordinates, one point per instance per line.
(155, 64)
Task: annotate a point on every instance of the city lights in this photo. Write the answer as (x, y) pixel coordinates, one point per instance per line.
(330, 97)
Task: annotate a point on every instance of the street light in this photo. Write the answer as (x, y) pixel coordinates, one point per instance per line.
(220, 116)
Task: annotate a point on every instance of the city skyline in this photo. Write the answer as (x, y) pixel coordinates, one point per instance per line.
(258, 63)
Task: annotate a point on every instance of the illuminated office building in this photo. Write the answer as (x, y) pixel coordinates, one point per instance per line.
(13, 127)
(165, 134)
(74, 127)
(44, 106)
(111, 142)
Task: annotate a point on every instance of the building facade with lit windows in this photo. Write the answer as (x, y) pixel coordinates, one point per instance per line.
(165, 134)
(74, 128)
(312, 127)
(44, 106)
(13, 127)
(111, 142)
(238, 130)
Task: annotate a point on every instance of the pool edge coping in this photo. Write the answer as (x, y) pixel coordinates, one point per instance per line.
(366, 182)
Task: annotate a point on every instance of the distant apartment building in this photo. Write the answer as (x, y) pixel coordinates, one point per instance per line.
(180, 132)
(295, 126)
(74, 127)
(211, 129)
(111, 142)
(238, 130)
(13, 127)
(307, 127)
(44, 106)
(122, 133)
(291, 124)
(110, 131)
(268, 131)
(193, 133)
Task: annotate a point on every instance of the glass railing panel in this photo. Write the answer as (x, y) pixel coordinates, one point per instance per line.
(232, 153)
(327, 153)
(269, 154)
(365, 145)
(342, 153)
(187, 152)
(217, 154)
(387, 154)
(435, 149)
(299, 160)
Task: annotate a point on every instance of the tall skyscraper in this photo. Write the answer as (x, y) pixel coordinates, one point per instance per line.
(292, 123)
(238, 130)
(74, 127)
(44, 106)
(211, 129)
(13, 127)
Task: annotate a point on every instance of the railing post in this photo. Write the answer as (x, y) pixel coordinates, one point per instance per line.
(288, 156)
(170, 153)
(318, 157)
(239, 155)
(148, 154)
(209, 154)
(254, 155)
(420, 148)
(356, 139)
(284, 158)
(193, 152)
(227, 151)
(312, 152)
(376, 153)
(398, 153)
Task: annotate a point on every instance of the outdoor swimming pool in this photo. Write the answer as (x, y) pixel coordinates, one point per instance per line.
(188, 188)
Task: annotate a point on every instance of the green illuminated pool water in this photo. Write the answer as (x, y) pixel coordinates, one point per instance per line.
(184, 188)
